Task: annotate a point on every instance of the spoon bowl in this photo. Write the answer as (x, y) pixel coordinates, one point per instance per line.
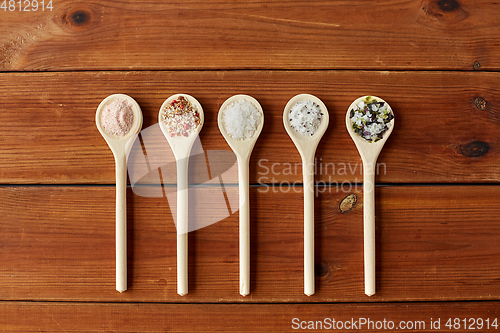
(125, 142)
(120, 146)
(242, 149)
(369, 152)
(181, 147)
(307, 145)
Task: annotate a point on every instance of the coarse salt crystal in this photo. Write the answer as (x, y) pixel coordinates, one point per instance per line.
(241, 119)
(305, 117)
(117, 117)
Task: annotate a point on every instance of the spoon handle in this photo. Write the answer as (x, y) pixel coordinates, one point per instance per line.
(121, 221)
(182, 225)
(369, 226)
(244, 227)
(308, 177)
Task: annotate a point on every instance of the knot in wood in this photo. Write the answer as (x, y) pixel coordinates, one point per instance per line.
(321, 269)
(444, 11)
(348, 202)
(480, 103)
(448, 5)
(474, 149)
(79, 18)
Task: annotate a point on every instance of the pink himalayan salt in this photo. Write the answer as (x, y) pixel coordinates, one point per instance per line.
(117, 117)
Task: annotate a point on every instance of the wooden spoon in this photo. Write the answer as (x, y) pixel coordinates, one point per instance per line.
(243, 149)
(120, 146)
(369, 152)
(181, 147)
(306, 145)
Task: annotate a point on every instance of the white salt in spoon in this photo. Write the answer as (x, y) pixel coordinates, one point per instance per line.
(242, 150)
(120, 146)
(306, 145)
(369, 152)
(181, 147)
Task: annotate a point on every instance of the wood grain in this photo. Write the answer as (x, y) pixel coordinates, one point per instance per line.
(433, 243)
(90, 317)
(394, 34)
(447, 126)
(434, 61)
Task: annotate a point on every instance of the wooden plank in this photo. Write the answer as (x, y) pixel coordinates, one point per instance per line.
(141, 35)
(50, 136)
(433, 243)
(91, 317)
(447, 125)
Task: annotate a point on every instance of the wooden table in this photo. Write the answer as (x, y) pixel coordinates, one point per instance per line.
(438, 198)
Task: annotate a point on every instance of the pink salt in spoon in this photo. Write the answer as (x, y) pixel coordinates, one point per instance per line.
(369, 149)
(120, 146)
(181, 147)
